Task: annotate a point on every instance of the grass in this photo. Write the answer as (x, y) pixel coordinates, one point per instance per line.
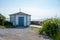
(34, 28)
(2, 26)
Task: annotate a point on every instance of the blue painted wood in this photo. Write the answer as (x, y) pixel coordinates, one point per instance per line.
(15, 20)
(21, 21)
(26, 20)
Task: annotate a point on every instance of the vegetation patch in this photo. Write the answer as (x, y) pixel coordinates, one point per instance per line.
(34, 28)
(51, 27)
(4, 23)
(2, 26)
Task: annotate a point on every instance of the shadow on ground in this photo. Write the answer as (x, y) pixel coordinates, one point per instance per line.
(22, 27)
(17, 27)
(45, 36)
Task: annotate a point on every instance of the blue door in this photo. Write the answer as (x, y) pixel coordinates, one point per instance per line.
(21, 21)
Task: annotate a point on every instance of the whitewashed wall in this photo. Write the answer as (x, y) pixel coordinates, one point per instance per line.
(27, 19)
(12, 19)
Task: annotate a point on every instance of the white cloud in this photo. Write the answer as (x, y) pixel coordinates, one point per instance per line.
(36, 12)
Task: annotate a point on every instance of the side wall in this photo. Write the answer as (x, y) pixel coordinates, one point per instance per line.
(13, 19)
(28, 20)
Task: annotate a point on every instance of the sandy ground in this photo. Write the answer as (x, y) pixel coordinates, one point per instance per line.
(20, 34)
(38, 26)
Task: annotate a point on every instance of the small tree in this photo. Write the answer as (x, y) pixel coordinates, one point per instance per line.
(2, 19)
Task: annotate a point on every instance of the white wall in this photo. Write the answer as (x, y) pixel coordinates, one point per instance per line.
(27, 19)
(12, 19)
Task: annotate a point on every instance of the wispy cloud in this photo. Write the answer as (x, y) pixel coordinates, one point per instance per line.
(37, 8)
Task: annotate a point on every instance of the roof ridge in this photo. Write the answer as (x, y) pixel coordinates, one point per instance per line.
(20, 13)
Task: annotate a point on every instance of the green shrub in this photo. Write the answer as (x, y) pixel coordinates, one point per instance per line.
(2, 19)
(10, 26)
(4, 23)
(51, 27)
(7, 23)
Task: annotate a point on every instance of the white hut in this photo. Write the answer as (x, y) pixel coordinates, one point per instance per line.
(20, 19)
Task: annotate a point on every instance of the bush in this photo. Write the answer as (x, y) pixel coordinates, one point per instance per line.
(2, 19)
(51, 27)
(7, 23)
(4, 23)
(10, 26)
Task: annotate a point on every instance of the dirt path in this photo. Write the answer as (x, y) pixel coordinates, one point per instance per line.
(20, 34)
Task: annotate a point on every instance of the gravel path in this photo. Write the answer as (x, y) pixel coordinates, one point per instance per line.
(20, 34)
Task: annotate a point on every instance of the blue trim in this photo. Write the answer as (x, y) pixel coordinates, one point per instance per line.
(26, 20)
(15, 20)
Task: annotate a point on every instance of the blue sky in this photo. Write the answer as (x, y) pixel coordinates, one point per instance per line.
(39, 9)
